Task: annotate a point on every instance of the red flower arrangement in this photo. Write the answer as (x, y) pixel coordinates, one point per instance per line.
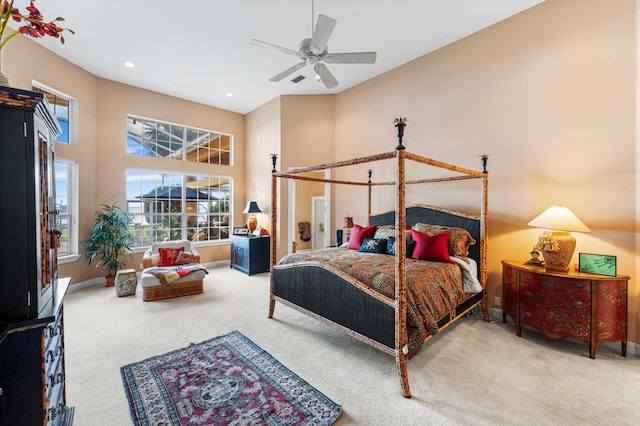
(33, 24)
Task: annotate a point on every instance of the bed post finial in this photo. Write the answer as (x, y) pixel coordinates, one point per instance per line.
(484, 158)
(400, 123)
(369, 173)
(274, 158)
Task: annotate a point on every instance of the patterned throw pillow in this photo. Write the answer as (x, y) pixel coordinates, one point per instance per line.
(169, 255)
(358, 234)
(431, 247)
(459, 239)
(184, 257)
(372, 245)
(391, 247)
(388, 231)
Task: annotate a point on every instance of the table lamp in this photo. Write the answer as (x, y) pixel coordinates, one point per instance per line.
(557, 244)
(252, 208)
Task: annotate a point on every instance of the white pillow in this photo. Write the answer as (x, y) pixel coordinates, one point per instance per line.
(470, 282)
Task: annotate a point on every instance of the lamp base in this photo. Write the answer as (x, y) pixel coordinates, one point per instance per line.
(558, 257)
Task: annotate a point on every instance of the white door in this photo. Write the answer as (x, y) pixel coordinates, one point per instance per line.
(318, 234)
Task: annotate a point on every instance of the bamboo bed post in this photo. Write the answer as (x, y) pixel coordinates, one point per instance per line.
(369, 199)
(401, 348)
(274, 233)
(483, 240)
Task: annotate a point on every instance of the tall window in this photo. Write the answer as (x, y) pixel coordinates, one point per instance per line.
(65, 204)
(169, 207)
(152, 138)
(61, 106)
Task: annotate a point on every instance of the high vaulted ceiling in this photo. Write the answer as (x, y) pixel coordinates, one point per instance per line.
(199, 49)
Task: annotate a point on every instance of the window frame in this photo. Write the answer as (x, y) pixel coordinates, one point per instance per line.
(73, 244)
(72, 125)
(184, 214)
(184, 152)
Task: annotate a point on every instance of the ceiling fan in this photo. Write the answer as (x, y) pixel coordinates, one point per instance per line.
(313, 52)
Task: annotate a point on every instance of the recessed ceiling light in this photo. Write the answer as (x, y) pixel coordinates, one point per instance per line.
(129, 64)
(229, 95)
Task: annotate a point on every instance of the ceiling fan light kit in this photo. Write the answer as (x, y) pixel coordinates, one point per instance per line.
(313, 52)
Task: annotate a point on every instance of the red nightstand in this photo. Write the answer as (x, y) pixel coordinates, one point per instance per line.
(589, 307)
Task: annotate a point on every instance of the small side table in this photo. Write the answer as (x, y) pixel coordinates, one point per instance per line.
(126, 282)
(589, 307)
(250, 255)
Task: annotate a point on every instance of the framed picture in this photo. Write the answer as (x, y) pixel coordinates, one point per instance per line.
(601, 264)
(241, 231)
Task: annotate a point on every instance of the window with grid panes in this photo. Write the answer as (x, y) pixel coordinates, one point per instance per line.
(173, 206)
(153, 138)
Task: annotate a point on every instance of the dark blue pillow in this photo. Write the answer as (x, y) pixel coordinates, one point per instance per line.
(373, 245)
(391, 243)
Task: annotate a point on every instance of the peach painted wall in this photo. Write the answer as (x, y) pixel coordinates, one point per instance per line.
(101, 149)
(303, 136)
(263, 139)
(550, 94)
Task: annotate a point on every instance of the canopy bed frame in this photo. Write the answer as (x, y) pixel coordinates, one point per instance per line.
(379, 320)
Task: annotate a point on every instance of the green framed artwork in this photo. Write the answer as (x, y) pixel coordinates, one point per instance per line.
(601, 264)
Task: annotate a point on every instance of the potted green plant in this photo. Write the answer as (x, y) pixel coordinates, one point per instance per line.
(110, 240)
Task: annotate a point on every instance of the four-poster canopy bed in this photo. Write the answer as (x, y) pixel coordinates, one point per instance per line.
(377, 302)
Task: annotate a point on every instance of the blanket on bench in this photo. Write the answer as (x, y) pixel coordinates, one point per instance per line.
(168, 274)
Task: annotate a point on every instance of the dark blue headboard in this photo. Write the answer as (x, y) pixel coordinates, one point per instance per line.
(437, 216)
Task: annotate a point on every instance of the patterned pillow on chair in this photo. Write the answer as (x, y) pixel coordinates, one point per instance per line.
(184, 257)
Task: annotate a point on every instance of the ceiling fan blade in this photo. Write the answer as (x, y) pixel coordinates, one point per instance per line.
(288, 71)
(259, 43)
(351, 58)
(321, 34)
(325, 76)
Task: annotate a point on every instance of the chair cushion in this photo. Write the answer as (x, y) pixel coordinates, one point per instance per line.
(148, 280)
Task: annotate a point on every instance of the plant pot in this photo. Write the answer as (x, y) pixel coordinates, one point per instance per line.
(111, 279)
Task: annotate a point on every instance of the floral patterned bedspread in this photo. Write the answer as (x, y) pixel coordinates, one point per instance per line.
(433, 288)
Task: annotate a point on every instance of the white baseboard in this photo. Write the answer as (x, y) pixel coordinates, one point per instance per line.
(632, 347)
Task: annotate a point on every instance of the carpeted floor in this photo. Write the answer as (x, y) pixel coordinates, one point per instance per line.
(473, 373)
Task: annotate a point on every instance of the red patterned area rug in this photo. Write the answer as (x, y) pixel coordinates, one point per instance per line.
(227, 380)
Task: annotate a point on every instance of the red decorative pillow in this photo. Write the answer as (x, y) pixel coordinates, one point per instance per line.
(169, 255)
(459, 239)
(358, 234)
(431, 247)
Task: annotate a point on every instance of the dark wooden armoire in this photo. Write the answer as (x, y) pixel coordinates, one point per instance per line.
(32, 372)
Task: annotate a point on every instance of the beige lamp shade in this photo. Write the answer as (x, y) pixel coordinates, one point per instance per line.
(559, 218)
(557, 244)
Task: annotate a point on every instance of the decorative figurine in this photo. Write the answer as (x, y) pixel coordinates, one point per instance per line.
(534, 258)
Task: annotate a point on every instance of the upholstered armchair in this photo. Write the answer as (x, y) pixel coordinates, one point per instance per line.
(164, 263)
